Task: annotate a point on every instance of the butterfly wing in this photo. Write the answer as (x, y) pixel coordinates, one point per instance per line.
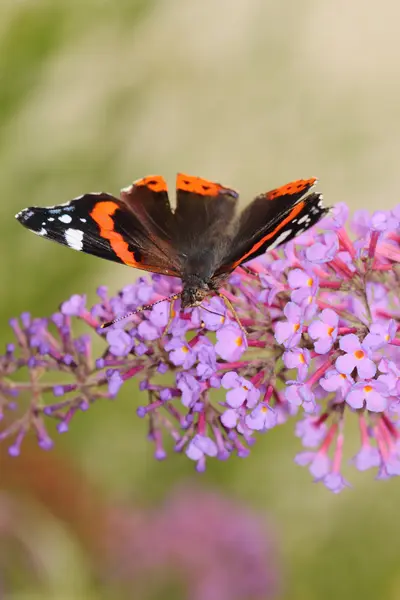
(122, 230)
(203, 215)
(148, 200)
(272, 219)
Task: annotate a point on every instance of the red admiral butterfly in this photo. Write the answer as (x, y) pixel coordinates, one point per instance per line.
(201, 241)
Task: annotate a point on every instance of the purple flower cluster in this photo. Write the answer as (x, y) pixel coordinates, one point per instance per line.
(322, 318)
(225, 552)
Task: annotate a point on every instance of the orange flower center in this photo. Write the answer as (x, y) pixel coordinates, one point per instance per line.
(330, 330)
(368, 388)
(359, 354)
(302, 359)
(185, 350)
(296, 327)
(238, 341)
(310, 282)
(264, 409)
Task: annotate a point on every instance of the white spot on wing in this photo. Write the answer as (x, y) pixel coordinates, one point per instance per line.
(65, 219)
(83, 220)
(43, 231)
(74, 238)
(281, 238)
(25, 212)
(303, 219)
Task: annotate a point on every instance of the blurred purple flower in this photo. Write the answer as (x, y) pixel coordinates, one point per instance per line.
(333, 381)
(180, 354)
(190, 388)
(390, 376)
(366, 458)
(115, 381)
(323, 251)
(200, 447)
(224, 553)
(261, 418)
(120, 343)
(380, 334)
(300, 394)
(74, 306)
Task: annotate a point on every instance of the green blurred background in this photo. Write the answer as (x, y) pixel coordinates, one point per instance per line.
(250, 93)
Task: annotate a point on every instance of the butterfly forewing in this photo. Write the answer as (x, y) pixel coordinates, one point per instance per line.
(202, 206)
(148, 199)
(203, 215)
(103, 226)
(271, 220)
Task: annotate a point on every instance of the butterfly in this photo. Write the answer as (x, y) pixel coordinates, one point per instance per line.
(202, 241)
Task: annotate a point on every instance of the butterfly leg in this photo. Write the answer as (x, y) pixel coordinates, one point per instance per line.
(172, 313)
(230, 307)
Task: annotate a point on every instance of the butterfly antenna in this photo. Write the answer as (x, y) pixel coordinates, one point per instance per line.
(139, 310)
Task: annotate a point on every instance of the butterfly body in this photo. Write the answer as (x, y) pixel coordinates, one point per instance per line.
(202, 241)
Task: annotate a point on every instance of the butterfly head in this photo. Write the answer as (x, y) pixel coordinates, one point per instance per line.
(194, 293)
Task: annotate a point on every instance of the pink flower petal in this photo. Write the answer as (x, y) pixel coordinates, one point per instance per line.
(350, 343)
(345, 364)
(366, 368)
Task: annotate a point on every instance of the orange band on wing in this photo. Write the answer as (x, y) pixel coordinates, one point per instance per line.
(102, 213)
(293, 213)
(155, 183)
(295, 187)
(196, 185)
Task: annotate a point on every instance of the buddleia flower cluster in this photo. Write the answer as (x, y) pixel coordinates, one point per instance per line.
(321, 316)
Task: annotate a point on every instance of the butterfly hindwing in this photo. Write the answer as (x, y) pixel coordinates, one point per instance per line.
(103, 226)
